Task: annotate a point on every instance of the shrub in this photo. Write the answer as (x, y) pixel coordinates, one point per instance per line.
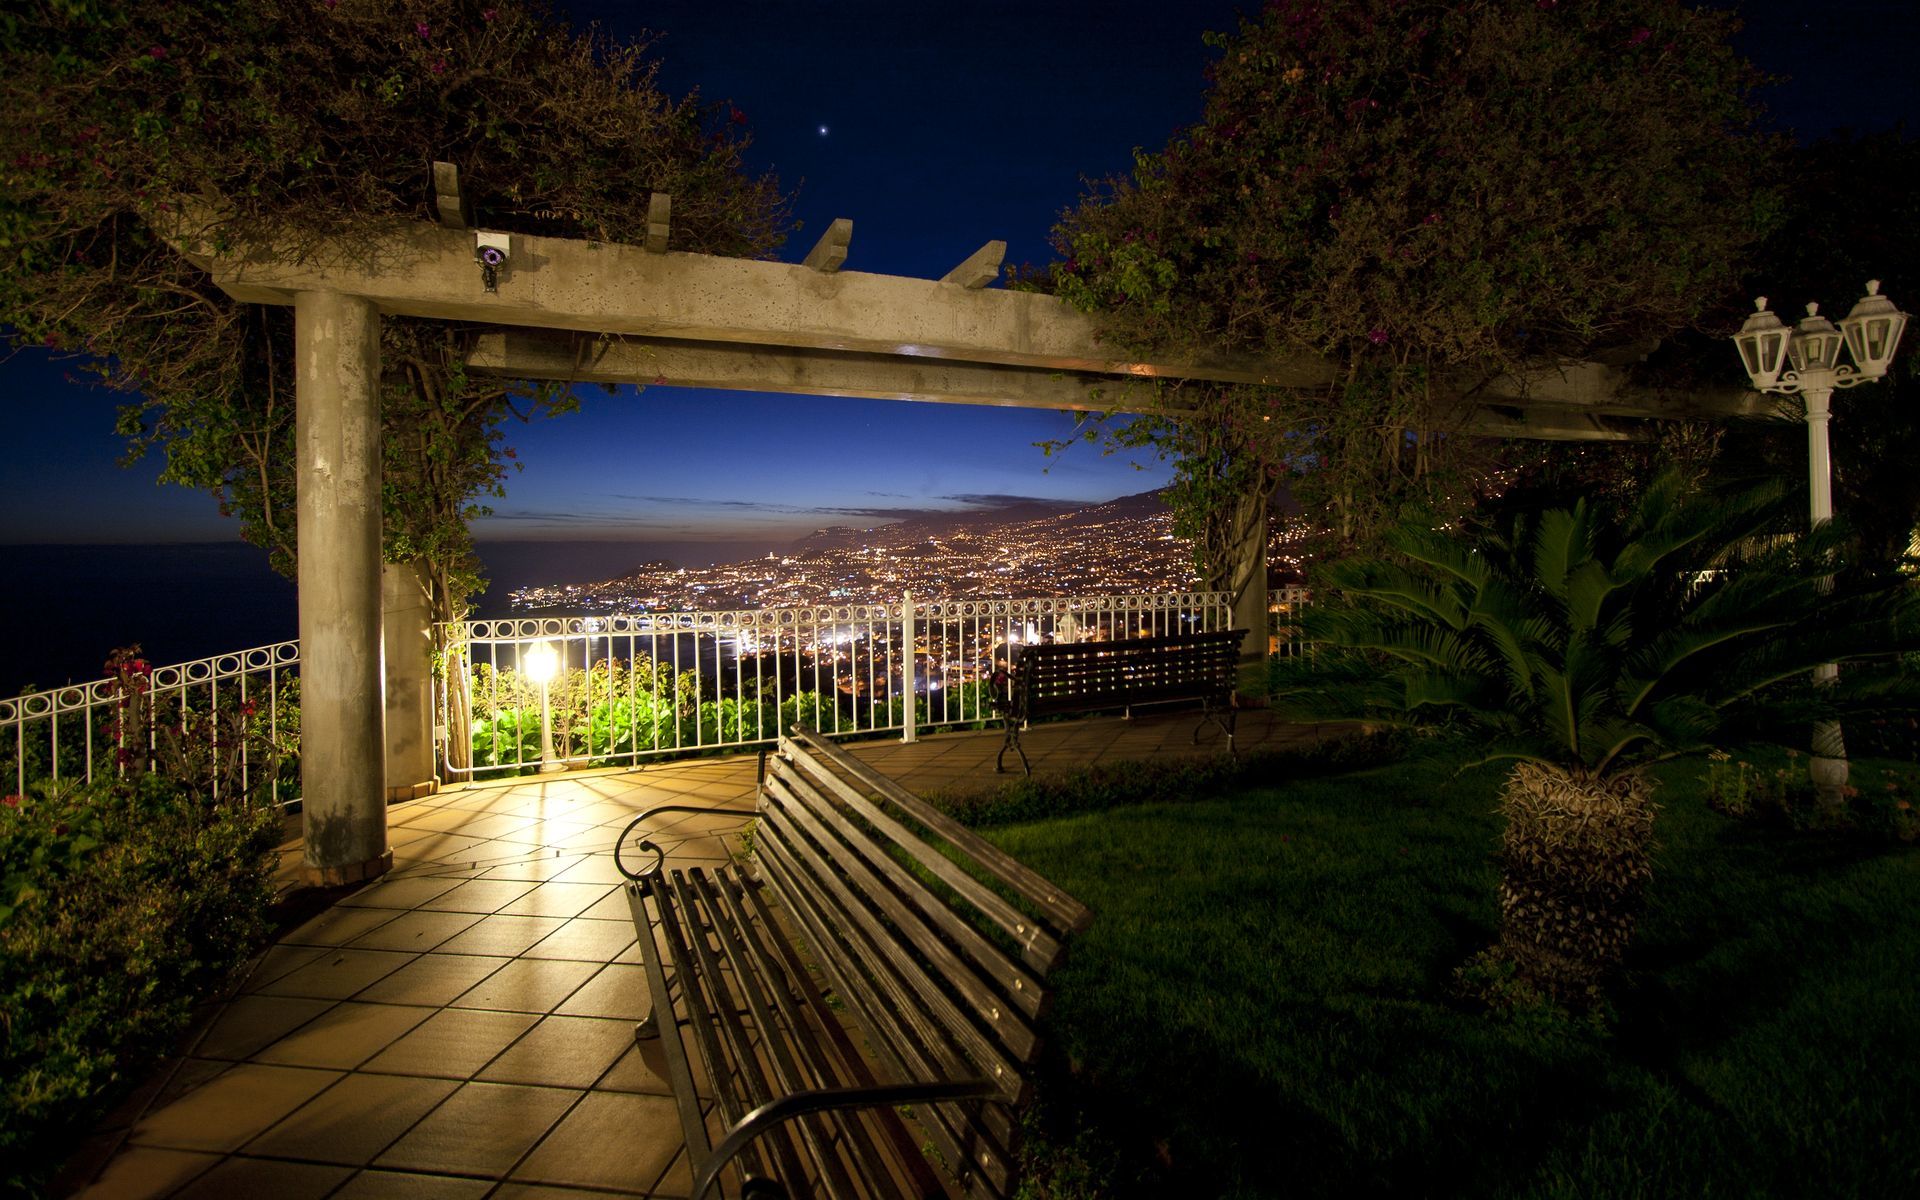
(121, 906)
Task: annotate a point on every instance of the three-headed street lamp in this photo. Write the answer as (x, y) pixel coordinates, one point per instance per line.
(1871, 332)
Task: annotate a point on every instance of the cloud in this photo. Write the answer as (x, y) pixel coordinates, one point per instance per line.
(1007, 500)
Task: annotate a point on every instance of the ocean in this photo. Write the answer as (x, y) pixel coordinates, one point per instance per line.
(63, 609)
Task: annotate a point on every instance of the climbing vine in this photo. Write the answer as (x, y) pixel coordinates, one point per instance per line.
(303, 121)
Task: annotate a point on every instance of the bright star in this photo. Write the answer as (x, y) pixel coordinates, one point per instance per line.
(823, 131)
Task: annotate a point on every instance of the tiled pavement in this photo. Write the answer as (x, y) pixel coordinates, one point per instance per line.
(462, 1027)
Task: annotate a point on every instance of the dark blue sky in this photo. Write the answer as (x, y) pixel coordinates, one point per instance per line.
(947, 126)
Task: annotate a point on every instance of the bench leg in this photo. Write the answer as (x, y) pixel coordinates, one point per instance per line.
(1013, 740)
(1210, 713)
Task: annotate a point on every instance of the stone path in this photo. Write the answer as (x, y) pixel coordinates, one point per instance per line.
(462, 1028)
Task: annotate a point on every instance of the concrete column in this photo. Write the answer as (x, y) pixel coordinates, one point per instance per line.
(337, 439)
(408, 647)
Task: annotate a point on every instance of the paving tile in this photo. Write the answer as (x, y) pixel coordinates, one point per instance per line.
(410, 892)
(145, 1173)
(533, 870)
(440, 848)
(277, 961)
(480, 895)
(346, 1036)
(252, 1022)
(528, 985)
(338, 974)
(482, 1129)
(226, 1112)
(643, 1068)
(253, 1178)
(453, 1044)
(337, 926)
(608, 1140)
(432, 979)
(418, 930)
(540, 1191)
(505, 936)
(618, 991)
(437, 820)
(612, 907)
(570, 1052)
(595, 868)
(354, 1119)
(557, 899)
(404, 1185)
(589, 941)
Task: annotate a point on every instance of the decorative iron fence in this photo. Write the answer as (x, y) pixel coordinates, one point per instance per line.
(521, 695)
(228, 725)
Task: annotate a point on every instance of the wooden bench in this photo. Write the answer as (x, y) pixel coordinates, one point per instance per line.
(1084, 677)
(866, 908)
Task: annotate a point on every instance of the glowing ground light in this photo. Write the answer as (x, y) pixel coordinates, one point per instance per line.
(823, 131)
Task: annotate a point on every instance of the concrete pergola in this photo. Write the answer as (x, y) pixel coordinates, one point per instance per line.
(688, 320)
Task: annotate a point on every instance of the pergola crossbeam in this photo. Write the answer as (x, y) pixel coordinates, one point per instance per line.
(831, 250)
(980, 268)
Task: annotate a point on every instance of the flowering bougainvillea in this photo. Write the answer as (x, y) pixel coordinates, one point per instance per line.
(1424, 194)
(296, 120)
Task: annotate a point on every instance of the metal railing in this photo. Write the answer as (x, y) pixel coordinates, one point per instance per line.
(526, 694)
(227, 725)
(1284, 606)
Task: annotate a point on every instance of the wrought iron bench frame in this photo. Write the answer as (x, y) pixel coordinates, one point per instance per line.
(934, 944)
(1085, 677)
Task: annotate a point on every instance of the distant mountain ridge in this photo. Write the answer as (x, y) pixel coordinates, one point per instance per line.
(914, 529)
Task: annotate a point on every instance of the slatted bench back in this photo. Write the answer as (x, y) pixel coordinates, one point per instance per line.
(1079, 676)
(939, 942)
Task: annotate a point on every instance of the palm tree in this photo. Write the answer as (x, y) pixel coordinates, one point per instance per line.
(1584, 646)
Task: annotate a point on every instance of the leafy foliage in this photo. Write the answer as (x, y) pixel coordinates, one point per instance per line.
(124, 905)
(295, 122)
(1577, 641)
(1426, 194)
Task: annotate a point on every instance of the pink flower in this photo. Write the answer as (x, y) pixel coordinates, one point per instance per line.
(423, 29)
(439, 66)
(1640, 36)
(488, 14)
(156, 52)
(12, 800)
(1377, 336)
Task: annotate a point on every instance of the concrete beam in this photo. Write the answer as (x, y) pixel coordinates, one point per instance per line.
(422, 270)
(981, 267)
(448, 203)
(659, 222)
(545, 354)
(831, 250)
(542, 354)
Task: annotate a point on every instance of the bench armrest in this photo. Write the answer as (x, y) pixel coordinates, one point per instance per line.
(799, 1104)
(659, 856)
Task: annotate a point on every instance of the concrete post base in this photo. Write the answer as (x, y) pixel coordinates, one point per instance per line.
(341, 876)
(412, 791)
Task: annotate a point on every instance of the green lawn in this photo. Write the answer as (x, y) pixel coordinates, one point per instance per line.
(1263, 1006)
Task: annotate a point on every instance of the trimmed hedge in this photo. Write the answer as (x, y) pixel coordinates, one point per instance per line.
(121, 907)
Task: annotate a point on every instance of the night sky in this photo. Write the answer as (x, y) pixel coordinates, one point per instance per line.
(944, 127)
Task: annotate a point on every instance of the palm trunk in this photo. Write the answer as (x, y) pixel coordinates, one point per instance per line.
(1576, 857)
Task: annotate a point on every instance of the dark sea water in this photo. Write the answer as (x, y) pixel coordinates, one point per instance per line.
(63, 609)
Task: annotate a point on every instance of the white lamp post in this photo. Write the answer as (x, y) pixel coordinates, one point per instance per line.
(1872, 332)
(540, 663)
